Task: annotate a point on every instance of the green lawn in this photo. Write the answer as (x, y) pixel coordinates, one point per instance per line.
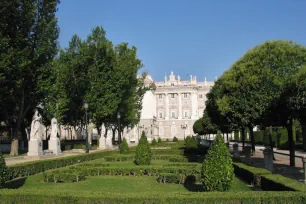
(114, 184)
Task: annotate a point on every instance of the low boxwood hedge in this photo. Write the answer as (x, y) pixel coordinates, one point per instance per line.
(119, 157)
(265, 179)
(62, 177)
(30, 168)
(170, 178)
(46, 196)
(132, 171)
(276, 182)
(250, 174)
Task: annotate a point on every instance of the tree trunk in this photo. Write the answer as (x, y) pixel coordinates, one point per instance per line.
(243, 137)
(291, 142)
(271, 141)
(227, 141)
(252, 140)
(303, 124)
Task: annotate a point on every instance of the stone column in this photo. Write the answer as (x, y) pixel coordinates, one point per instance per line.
(268, 158)
(194, 106)
(166, 107)
(179, 106)
(304, 167)
(236, 151)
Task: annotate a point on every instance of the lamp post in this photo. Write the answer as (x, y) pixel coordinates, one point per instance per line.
(184, 128)
(119, 136)
(86, 108)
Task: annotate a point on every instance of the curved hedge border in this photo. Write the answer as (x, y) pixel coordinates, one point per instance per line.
(30, 168)
(266, 180)
(47, 196)
(62, 177)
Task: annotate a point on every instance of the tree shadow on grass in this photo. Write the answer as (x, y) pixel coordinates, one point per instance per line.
(191, 185)
(16, 183)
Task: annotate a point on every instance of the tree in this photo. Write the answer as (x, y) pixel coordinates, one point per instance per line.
(28, 41)
(217, 170)
(198, 127)
(143, 154)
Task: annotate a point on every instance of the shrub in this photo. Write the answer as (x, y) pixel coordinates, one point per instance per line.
(30, 168)
(190, 143)
(159, 141)
(217, 170)
(169, 178)
(167, 140)
(143, 151)
(175, 139)
(154, 142)
(124, 147)
(63, 177)
(3, 170)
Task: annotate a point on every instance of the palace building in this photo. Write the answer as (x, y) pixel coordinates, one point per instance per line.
(171, 110)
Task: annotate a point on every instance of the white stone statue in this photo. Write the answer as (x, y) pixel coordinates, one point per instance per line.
(35, 126)
(54, 143)
(54, 128)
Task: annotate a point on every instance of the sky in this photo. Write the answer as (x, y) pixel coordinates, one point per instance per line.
(202, 38)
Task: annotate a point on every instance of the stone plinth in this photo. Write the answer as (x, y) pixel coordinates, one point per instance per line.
(247, 152)
(102, 143)
(35, 147)
(109, 143)
(268, 158)
(236, 151)
(304, 167)
(55, 146)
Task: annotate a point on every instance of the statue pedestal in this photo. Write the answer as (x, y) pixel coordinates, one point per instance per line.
(102, 143)
(35, 147)
(55, 145)
(109, 143)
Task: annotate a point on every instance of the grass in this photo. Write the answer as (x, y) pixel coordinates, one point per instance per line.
(113, 184)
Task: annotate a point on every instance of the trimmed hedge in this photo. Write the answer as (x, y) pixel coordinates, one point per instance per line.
(169, 178)
(58, 197)
(266, 180)
(276, 182)
(30, 168)
(132, 171)
(178, 159)
(63, 177)
(3, 170)
(118, 158)
(250, 174)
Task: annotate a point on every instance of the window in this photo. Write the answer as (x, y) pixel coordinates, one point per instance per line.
(186, 114)
(173, 130)
(200, 96)
(172, 114)
(172, 95)
(185, 95)
(160, 115)
(160, 96)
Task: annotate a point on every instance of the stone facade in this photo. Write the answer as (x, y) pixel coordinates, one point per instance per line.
(172, 108)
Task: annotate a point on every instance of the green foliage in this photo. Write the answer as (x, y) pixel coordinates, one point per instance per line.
(167, 140)
(154, 142)
(190, 143)
(143, 154)
(217, 170)
(62, 177)
(159, 141)
(169, 178)
(198, 127)
(124, 147)
(175, 139)
(30, 168)
(3, 170)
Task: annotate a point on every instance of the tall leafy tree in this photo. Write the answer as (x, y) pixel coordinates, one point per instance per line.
(28, 41)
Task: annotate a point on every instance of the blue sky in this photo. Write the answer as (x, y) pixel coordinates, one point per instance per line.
(189, 37)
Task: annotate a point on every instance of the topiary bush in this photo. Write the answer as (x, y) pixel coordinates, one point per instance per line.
(143, 151)
(190, 143)
(154, 142)
(175, 139)
(3, 171)
(159, 142)
(124, 147)
(217, 170)
(167, 140)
